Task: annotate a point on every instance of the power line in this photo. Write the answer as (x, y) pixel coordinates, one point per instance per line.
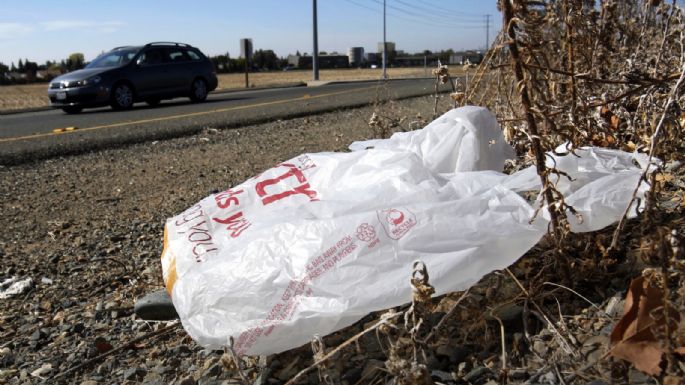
(447, 10)
(414, 14)
(438, 13)
(454, 26)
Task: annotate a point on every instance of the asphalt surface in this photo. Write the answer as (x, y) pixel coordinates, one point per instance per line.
(32, 136)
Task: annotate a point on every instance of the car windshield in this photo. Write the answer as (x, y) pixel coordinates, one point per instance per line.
(113, 59)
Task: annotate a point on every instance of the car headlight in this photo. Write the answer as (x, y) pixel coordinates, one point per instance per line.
(85, 82)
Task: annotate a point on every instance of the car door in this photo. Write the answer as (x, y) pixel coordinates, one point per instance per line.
(180, 74)
(151, 75)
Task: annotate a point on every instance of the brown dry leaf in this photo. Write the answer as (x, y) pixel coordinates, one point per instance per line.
(664, 177)
(672, 380)
(615, 121)
(102, 345)
(632, 338)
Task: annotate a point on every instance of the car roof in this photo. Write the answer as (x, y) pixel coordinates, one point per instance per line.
(157, 43)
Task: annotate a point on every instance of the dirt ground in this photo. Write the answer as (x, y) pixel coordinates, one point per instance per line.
(16, 97)
(88, 231)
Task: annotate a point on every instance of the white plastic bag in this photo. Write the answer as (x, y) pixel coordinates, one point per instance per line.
(317, 242)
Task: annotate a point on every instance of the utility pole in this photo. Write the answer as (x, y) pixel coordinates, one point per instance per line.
(487, 32)
(385, 45)
(315, 54)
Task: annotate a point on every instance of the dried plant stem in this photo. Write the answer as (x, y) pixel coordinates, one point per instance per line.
(663, 41)
(571, 59)
(446, 317)
(562, 340)
(530, 119)
(341, 346)
(655, 138)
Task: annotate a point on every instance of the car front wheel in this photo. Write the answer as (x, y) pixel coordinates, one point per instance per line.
(198, 90)
(122, 97)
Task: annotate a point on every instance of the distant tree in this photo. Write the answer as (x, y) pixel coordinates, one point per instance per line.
(3, 70)
(297, 53)
(20, 66)
(322, 53)
(75, 61)
(222, 63)
(265, 59)
(13, 67)
(30, 69)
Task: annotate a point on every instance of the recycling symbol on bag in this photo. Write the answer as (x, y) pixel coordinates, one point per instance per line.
(366, 232)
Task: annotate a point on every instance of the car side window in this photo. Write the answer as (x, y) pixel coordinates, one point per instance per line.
(176, 55)
(151, 57)
(193, 55)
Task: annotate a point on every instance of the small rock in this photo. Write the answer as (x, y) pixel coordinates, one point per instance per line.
(442, 376)
(518, 374)
(79, 327)
(288, 371)
(153, 378)
(42, 371)
(187, 381)
(453, 353)
(208, 381)
(13, 286)
(372, 367)
(156, 306)
(477, 373)
(352, 376)
(161, 369)
(213, 370)
(89, 382)
(38, 335)
(135, 373)
(540, 347)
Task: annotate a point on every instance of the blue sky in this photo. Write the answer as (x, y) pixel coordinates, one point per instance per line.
(43, 30)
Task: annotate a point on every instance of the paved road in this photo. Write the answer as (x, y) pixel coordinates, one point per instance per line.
(36, 135)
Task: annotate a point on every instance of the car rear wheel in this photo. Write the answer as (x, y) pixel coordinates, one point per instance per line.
(122, 97)
(198, 90)
(72, 109)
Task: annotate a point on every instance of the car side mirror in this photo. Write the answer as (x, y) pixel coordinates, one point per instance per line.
(139, 62)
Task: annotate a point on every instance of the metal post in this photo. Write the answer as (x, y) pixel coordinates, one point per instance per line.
(487, 32)
(385, 45)
(247, 60)
(315, 54)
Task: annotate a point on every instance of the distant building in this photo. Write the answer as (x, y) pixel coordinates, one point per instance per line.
(371, 57)
(325, 61)
(414, 61)
(388, 44)
(356, 56)
(245, 53)
(471, 57)
(14, 75)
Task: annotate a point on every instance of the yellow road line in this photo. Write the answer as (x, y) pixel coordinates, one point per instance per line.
(305, 97)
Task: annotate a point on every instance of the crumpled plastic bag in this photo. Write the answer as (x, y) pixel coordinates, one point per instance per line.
(319, 241)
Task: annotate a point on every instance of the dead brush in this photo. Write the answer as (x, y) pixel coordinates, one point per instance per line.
(571, 73)
(609, 74)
